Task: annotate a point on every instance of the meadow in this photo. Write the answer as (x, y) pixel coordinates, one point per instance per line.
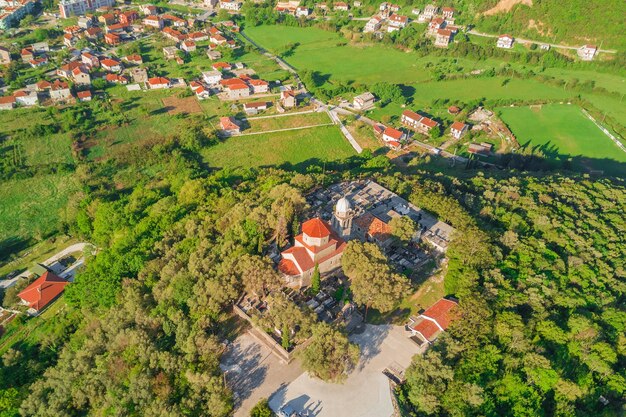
(563, 131)
(298, 147)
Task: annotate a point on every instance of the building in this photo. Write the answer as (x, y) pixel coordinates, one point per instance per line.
(436, 24)
(417, 121)
(448, 12)
(443, 38)
(173, 34)
(43, 291)
(112, 39)
(157, 83)
(230, 5)
(60, 91)
(139, 75)
(69, 8)
(288, 98)
(26, 98)
(90, 60)
(213, 55)
(397, 22)
(212, 77)
(229, 126)
(153, 21)
(148, 9)
(458, 129)
(373, 24)
(393, 136)
(188, 46)
(259, 86)
(7, 102)
(430, 11)
(505, 41)
(170, 52)
(84, 95)
(5, 56)
(317, 245)
(12, 15)
(587, 52)
(27, 54)
(364, 101)
(436, 319)
(341, 6)
(236, 88)
(111, 65)
(254, 107)
(81, 76)
(302, 11)
(134, 59)
(483, 149)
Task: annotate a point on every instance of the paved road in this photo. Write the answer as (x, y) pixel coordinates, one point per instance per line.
(527, 41)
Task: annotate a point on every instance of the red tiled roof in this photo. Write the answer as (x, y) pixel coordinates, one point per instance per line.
(316, 228)
(7, 100)
(219, 65)
(427, 328)
(393, 133)
(411, 115)
(258, 82)
(458, 126)
(440, 312)
(84, 94)
(301, 256)
(228, 123)
(375, 227)
(428, 122)
(255, 105)
(287, 267)
(45, 289)
(108, 62)
(158, 81)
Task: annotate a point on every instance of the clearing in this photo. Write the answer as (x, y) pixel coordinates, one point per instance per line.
(562, 132)
(506, 6)
(177, 105)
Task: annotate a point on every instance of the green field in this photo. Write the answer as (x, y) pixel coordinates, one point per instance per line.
(563, 131)
(298, 147)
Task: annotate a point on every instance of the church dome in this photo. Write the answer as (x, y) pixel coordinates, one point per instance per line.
(343, 207)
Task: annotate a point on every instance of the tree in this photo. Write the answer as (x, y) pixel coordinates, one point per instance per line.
(315, 280)
(330, 356)
(387, 92)
(403, 228)
(262, 409)
(257, 274)
(372, 282)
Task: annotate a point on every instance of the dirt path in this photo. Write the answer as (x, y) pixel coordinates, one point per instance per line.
(505, 6)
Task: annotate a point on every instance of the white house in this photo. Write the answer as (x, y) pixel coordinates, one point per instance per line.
(397, 22)
(7, 102)
(587, 52)
(302, 11)
(26, 98)
(505, 41)
(373, 24)
(157, 83)
(393, 135)
(230, 5)
(458, 129)
(364, 101)
(212, 77)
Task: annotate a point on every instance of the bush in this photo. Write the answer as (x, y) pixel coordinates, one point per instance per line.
(262, 409)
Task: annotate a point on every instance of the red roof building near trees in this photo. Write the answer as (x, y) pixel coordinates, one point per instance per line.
(43, 291)
(316, 228)
(434, 320)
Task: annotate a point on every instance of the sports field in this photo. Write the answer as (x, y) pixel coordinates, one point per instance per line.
(563, 131)
(298, 147)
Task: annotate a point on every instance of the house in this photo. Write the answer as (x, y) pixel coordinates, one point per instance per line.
(458, 129)
(436, 319)
(443, 38)
(60, 91)
(5, 56)
(38, 62)
(217, 38)
(69, 8)
(174, 20)
(93, 33)
(505, 41)
(90, 60)
(436, 24)
(213, 55)
(27, 54)
(212, 77)
(198, 36)
(80, 75)
(139, 75)
(7, 102)
(587, 52)
(188, 46)
(117, 28)
(236, 88)
(111, 65)
(426, 124)
(364, 101)
(254, 107)
(448, 12)
(112, 39)
(356, 4)
(416, 12)
(84, 95)
(341, 6)
(211, 4)
(317, 246)
(148, 9)
(288, 98)
(410, 119)
(392, 135)
(43, 291)
(372, 229)
(107, 19)
(40, 47)
(173, 34)
(26, 98)
(430, 11)
(259, 86)
(156, 83)
(230, 5)
(229, 126)
(170, 52)
(373, 24)
(302, 11)
(221, 66)
(134, 59)
(153, 21)
(128, 17)
(116, 79)
(397, 22)
(43, 85)
(322, 6)
(66, 70)
(199, 90)
(394, 7)
(69, 40)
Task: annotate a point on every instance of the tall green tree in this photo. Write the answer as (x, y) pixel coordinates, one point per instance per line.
(316, 280)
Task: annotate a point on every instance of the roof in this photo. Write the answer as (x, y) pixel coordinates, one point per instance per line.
(255, 105)
(427, 328)
(504, 36)
(7, 100)
(108, 62)
(45, 289)
(134, 58)
(428, 122)
(458, 126)
(316, 228)
(287, 267)
(412, 115)
(393, 133)
(444, 32)
(158, 81)
(221, 65)
(440, 312)
(84, 94)
(375, 227)
(228, 123)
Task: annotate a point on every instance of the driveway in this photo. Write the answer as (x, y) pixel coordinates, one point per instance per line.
(253, 372)
(366, 392)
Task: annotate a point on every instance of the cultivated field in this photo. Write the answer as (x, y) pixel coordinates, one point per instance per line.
(563, 131)
(298, 147)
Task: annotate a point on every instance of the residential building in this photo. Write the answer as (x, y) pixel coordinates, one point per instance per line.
(5, 56)
(40, 47)
(27, 54)
(435, 320)
(393, 136)
(116, 79)
(106, 18)
(153, 21)
(174, 20)
(259, 86)
(443, 38)
(139, 75)
(173, 34)
(128, 17)
(212, 77)
(254, 107)
(236, 88)
(26, 98)
(198, 36)
(188, 46)
(65, 71)
(480, 148)
(231, 5)
(111, 65)
(213, 55)
(38, 62)
(364, 101)
(410, 119)
(157, 83)
(430, 11)
(505, 41)
(288, 98)
(341, 6)
(85, 22)
(93, 33)
(221, 66)
(90, 60)
(436, 24)
(587, 52)
(81, 75)
(11, 16)
(302, 11)
(134, 59)
(448, 12)
(112, 39)
(60, 91)
(69, 8)
(148, 9)
(229, 126)
(84, 95)
(7, 102)
(458, 129)
(170, 52)
(317, 246)
(47, 288)
(373, 24)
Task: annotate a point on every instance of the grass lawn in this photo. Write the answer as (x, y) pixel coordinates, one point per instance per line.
(286, 122)
(563, 131)
(306, 147)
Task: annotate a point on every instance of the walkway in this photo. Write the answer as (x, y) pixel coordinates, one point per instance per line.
(333, 115)
(527, 41)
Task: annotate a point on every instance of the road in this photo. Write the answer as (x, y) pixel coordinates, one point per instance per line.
(527, 41)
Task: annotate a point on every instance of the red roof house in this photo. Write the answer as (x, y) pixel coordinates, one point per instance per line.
(434, 320)
(43, 291)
